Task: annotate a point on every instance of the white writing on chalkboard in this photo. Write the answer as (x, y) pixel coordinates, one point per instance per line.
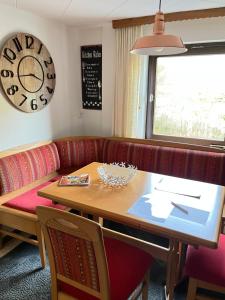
(91, 54)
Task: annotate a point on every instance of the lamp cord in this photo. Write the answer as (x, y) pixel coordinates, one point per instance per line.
(159, 5)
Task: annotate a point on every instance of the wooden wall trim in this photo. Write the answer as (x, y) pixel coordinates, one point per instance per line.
(167, 143)
(23, 148)
(170, 17)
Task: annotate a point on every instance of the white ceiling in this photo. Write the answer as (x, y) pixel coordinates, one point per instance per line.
(95, 12)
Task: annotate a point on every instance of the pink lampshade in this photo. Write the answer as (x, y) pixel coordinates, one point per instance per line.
(159, 43)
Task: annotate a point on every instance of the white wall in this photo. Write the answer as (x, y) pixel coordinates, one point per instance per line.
(100, 122)
(94, 122)
(64, 115)
(202, 30)
(17, 127)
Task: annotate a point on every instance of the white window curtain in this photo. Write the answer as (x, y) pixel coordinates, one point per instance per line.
(131, 85)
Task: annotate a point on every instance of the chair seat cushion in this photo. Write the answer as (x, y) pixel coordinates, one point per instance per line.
(207, 264)
(29, 201)
(127, 267)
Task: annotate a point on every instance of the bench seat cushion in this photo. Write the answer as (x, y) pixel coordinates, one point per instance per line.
(20, 169)
(29, 201)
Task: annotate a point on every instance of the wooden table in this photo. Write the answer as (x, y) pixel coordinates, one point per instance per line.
(141, 204)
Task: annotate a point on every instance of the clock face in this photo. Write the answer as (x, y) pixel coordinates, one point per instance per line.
(27, 72)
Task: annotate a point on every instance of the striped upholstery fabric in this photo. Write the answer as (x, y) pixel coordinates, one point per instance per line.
(76, 153)
(75, 258)
(127, 266)
(185, 163)
(23, 168)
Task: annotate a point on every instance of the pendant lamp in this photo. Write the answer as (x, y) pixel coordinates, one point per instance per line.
(159, 44)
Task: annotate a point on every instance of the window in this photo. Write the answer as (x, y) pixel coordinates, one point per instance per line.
(187, 96)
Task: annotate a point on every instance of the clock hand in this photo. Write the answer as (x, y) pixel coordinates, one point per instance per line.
(22, 75)
(36, 77)
(33, 75)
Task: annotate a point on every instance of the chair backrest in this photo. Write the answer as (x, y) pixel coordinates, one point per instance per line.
(76, 252)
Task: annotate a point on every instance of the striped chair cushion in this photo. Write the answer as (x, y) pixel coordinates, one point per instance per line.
(185, 163)
(20, 169)
(74, 153)
(75, 258)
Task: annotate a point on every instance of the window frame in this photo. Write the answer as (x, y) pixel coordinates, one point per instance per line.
(193, 49)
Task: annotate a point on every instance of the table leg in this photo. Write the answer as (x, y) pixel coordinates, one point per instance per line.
(168, 269)
(83, 214)
(94, 218)
(171, 276)
(182, 258)
(98, 220)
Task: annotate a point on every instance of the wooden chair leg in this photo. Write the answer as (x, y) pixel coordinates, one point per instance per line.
(145, 287)
(55, 294)
(41, 245)
(192, 289)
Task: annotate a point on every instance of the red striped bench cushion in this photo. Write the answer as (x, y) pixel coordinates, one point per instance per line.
(74, 153)
(30, 200)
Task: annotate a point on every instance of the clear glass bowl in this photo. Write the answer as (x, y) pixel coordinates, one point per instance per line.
(116, 174)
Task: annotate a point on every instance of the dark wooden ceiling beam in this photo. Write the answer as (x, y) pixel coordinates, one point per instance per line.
(170, 17)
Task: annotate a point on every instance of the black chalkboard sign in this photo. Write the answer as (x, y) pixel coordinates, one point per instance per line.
(91, 76)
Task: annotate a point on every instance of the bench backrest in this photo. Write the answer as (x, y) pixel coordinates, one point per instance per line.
(22, 168)
(68, 154)
(75, 153)
(186, 163)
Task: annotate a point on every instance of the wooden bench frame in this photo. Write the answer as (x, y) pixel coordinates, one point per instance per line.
(16, 220)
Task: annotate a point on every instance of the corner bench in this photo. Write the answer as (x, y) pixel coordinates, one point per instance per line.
(25, 170)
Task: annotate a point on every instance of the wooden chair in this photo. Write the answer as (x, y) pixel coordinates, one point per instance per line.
(205, 268)
(89, 262)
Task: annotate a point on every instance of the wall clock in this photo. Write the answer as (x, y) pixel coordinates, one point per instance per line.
(27, 72)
